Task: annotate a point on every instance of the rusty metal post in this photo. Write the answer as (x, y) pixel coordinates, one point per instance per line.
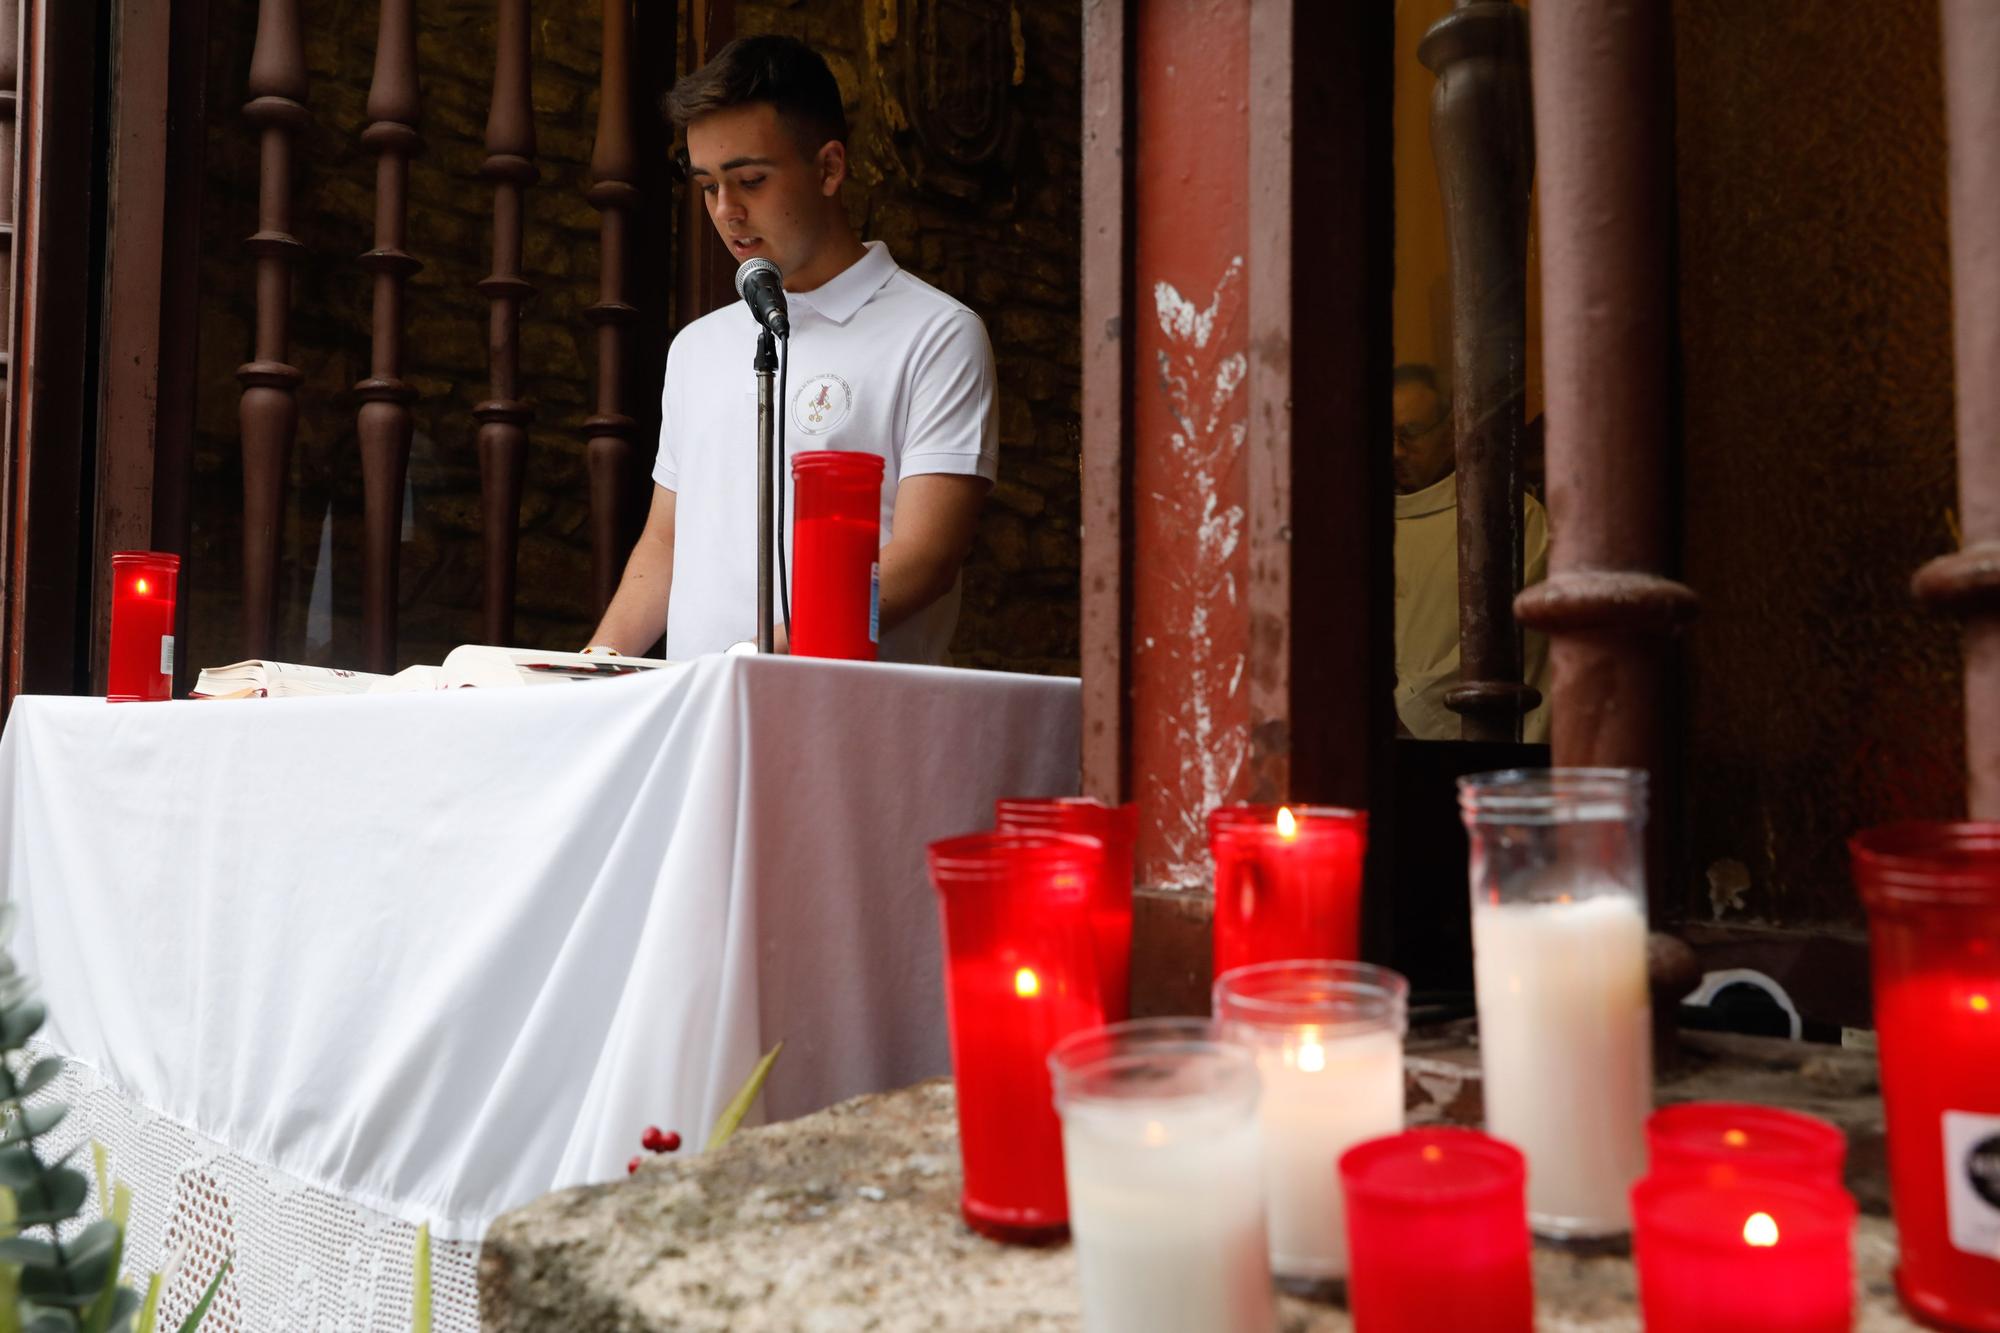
(1483, 142)
(384, 422)
(1603, 136)
(1967, 581)
(503, 417)
(269, 410)
(614, 171)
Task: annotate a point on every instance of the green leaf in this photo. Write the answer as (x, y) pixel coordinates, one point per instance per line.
(33, 1120)
(21, 1021)
(105, 1308)
(121, 1204)
(27, 1252)
(200, 1311)
(420, 1282)
(739, 1105)
(149, 1309)
(40, 1076)
(56, 1197)
(49, 1321)
(19, 1168)
(99, 1159)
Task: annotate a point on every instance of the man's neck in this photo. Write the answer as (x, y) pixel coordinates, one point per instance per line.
(832, 260)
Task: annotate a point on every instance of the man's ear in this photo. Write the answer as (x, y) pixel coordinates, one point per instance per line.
(832, 167)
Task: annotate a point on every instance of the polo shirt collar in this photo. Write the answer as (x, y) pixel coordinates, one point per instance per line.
(848, 290)
(1435, 498)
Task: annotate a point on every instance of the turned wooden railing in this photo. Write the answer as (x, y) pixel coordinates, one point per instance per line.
(1967, 581)
(1483, 142)
(10, 84)
(503, 417)
(384, 423)
(269, 411)
(614, 171)
(1603, 137)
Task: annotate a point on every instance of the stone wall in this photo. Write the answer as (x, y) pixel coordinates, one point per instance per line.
(1006, 242)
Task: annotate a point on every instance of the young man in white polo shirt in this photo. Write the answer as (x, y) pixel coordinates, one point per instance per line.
(881, 362)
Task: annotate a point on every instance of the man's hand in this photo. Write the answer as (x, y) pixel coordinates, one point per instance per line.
(637, 616)
(935, 519)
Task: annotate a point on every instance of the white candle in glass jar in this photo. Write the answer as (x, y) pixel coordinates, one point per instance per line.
(1565, 1043)
(1322, 1094)
(1166, 1199)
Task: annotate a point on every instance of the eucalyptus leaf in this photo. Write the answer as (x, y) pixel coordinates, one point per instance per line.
(18, 1022)
(32, 1121)
(49, 1321)
(200, 1311)
(739, 1105)
(19, 1168)
(56, 1197)
(101, 1276)
(40, 1075)
(28, 1252)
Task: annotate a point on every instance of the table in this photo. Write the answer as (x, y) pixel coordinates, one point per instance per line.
(434, 955)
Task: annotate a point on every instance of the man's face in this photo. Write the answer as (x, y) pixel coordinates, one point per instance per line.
(1424, 445)
(765, 194)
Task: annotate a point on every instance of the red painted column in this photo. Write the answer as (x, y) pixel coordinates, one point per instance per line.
(1190, 419)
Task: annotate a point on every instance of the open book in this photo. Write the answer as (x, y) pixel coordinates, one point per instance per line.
(468, 665)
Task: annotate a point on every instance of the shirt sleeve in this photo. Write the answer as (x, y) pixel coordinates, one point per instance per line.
(673, 412)
(954, 421)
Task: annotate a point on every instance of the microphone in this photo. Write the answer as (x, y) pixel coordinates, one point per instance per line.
(760, 283)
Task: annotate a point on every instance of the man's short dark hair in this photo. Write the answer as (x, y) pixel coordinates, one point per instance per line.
(782, 71)
(1416, 372)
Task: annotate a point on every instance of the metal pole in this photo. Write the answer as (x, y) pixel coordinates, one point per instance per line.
(766, 367)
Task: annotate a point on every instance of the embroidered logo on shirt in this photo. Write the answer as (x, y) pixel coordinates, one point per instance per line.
(821, 403)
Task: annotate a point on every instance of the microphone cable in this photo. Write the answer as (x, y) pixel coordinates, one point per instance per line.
(783, 480)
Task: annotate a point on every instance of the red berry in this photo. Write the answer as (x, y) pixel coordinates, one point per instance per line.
(669, 1142)
(632, 1167)
(650, 1140)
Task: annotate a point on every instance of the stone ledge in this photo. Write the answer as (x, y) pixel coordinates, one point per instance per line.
(848, 1220)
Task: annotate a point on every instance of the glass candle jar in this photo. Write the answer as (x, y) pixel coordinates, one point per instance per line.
(836, 554)
(1437, 1234)
(1287, 883)
(1116, 826)
(1932, 891)
(1724, 1142)
(144, 585)
(1559, 968)
(1020, 975)
(1760, 1256)
(1328, 1039)
(1163, 1154)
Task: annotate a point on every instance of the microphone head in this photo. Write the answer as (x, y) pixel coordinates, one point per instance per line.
(750, 269)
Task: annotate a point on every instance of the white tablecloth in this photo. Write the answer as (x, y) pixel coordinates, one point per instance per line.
(441, 953)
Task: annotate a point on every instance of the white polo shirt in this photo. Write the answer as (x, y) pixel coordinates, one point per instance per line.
(881, 362)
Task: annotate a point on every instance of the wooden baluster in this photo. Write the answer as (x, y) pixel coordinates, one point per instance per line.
(1603, 136)
(10, 85)
(384, 422)
(1968, 580)
(269, 410)
(1483, 142)
(614, 167)
(503, 417)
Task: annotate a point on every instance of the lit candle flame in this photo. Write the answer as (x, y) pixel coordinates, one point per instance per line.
(1760, 1230)
(1155, 1134)
(1288, 827)
(1735, 1138)
(1312, 1057)
(1026, 983)
(143, 586)
(1433, 1153)
(1980, 1004)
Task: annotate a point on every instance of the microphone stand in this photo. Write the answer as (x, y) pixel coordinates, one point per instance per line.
(766, 366)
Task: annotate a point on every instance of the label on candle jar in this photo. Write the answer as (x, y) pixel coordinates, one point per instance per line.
(1972, 1182)
(166, 654)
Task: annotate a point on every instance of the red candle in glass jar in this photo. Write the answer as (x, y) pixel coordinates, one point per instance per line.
(1727, 1142)
(1437, 1234)
(1759, 1256)
(1932, 891)
(1116, 826)
(836, 554)
(143, 588)
(1020, 975)
(1287, 883)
